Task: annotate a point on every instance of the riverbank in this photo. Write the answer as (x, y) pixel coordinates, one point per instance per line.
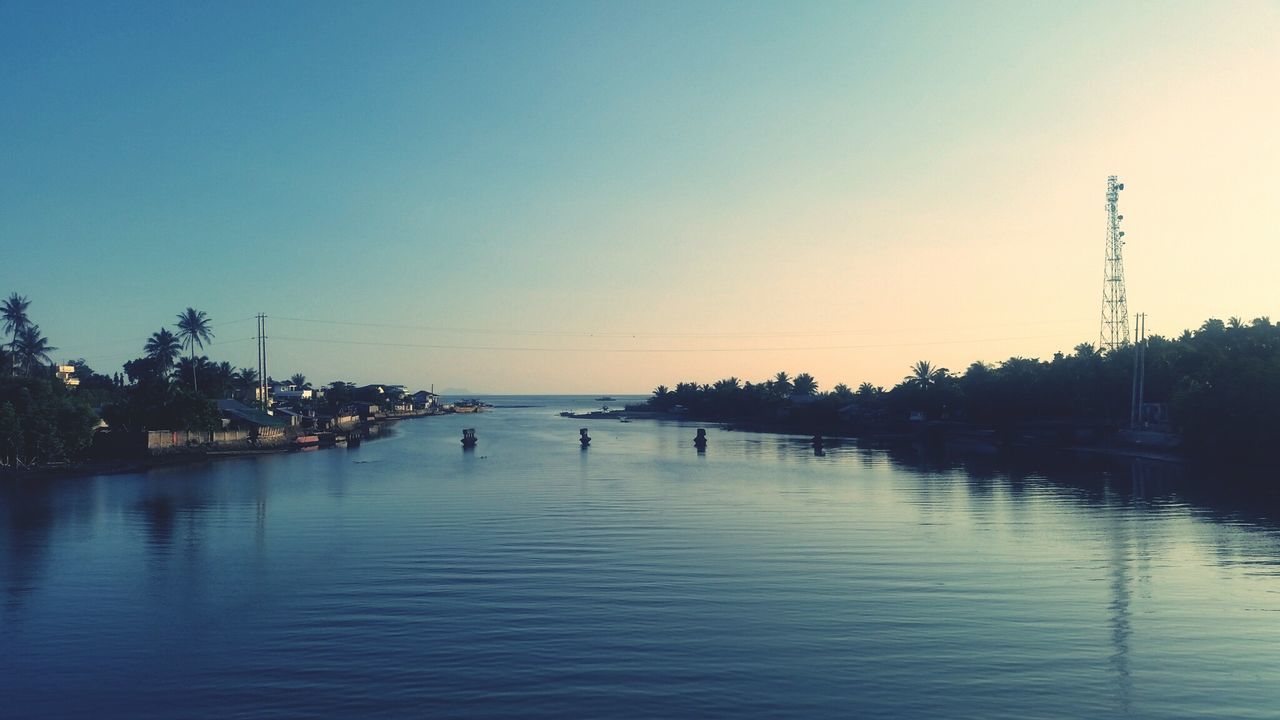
(196, 456)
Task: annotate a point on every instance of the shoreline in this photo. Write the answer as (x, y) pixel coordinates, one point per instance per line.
(142, 464)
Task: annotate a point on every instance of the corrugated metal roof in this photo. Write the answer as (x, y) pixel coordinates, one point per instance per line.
(239, 411)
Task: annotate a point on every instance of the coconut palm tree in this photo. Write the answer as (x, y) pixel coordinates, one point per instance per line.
(163, 347)
(804, 384)
(245, 381)
(30, 347)
(197, 367)
(298, 380)
(924, 375)
(782, 383)
(866, 389)
(729, 384)
(193, 330)
(247, 378)
(14, 313)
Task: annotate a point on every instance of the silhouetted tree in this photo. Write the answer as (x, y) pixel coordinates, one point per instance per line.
(193, 331)
(163, 347)
(31, 348)
(804, 384)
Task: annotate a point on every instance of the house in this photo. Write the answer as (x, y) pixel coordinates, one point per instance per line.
(361, 409)
(424, 400)
(238, 416)
(373, 393)
(66, 373)
(292, 418)
(296, 394)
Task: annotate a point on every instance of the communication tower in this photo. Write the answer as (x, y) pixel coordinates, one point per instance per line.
(1115, 308)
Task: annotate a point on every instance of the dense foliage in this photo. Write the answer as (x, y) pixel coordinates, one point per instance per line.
(1220, 384)
(41, 421)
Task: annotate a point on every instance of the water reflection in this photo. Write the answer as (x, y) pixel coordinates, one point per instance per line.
(1121, 629)
(29, 519)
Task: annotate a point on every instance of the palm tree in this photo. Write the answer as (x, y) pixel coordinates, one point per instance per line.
(729, 384)
(163, 347)
(298, 380)
(224, 374)
(14, 312)
(193, 330)
(866, 389)
(247, 377)
(804, 384)
(30, 347)
(924, 375)
(246, 382)
(782, 383)
(198, 367)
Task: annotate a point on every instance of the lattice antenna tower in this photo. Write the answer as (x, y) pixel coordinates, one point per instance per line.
(1115, 308)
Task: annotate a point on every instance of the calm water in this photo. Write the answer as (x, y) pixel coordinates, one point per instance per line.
(407, 578)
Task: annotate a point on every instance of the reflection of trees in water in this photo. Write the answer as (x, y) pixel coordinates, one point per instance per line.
(1219, 494)
(158, 515)
(28, 519)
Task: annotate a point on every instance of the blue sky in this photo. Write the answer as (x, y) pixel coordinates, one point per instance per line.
(644, 192)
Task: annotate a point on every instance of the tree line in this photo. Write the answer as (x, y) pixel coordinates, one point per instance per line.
(1219, 384)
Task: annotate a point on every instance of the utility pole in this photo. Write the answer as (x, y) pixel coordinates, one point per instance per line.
(1139, 369)
(1115, 307)
(263, 386)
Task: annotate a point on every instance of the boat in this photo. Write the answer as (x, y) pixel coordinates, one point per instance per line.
(469, 406)
(606, 398)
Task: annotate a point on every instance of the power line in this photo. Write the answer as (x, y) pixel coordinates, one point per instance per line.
(219, 343)
(512, 348)
(141, 341)
(616, 334)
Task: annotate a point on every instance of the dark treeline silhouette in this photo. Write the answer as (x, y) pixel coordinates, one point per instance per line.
(41, 421)
(1218, 387)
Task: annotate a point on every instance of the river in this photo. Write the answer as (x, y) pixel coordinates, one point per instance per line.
(636, 579)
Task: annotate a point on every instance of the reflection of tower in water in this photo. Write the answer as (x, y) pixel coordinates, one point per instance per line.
(1127, 551)
(1118, 611)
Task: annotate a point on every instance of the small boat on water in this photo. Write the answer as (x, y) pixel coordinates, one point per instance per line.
(606, 398)
(468, 406)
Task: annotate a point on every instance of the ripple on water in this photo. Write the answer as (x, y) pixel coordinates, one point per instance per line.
(638, 579)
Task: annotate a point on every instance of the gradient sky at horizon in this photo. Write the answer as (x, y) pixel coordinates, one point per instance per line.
(603, 197)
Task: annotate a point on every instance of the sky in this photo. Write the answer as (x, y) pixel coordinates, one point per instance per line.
(607, 196)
